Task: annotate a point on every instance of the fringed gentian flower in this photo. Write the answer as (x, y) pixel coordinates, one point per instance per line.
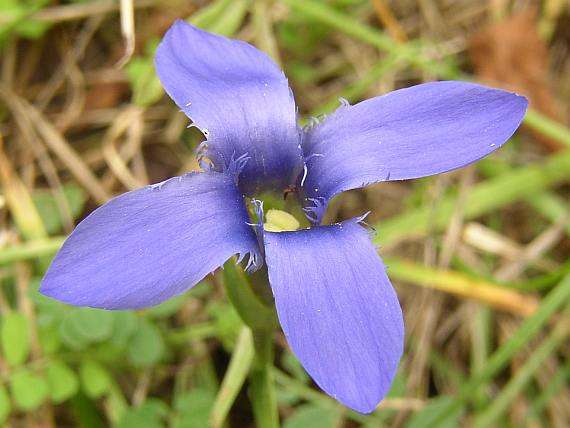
(340, 315)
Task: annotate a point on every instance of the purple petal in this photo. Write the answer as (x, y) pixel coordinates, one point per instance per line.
(239, 98)
(338, 310)
(150, 244)
(409, 133)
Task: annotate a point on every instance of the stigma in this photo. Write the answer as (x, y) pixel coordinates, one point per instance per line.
(280, 221)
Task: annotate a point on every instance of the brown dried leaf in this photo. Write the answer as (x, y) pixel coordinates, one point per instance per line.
(511, 52)
(105, 95)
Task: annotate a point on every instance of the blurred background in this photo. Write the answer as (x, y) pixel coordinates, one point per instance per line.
(479, 257)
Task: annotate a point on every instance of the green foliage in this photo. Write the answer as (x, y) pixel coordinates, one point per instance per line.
(83, 326)
(314, 416)
(146, 346)
(150, 414)
(93, 325)
(168, 308)
(193, 408)
(15, 335)
(48, 209)
(427, 417)
(15, 15)
(5, 405)
(124, 326)
(95, 380)
(29, 390)
(62, 381)
(50, 340)
(145, 85)
(227, 322)
(222, 17)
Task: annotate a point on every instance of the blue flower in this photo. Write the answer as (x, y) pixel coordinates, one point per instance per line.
(334, 301)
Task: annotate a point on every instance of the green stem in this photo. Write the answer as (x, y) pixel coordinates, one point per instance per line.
(30, 250)
(354, 91)
(496, 362)
(465, 286)
(263, 24)
(548, 127)
(480, 344)
(262, 386)
(250, 307)
(234, 378)
(524, 374)
(262, 321)
(519, 184)
(558, 382)
(412, 52)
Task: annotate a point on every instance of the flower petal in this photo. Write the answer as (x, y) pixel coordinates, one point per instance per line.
(150, 244)
(338, 310)
(409, 133)
(239, 98)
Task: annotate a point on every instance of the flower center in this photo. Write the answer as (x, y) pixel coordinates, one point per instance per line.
(282, 212)
(280, 221)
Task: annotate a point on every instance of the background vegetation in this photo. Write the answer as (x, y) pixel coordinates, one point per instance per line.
(479, 257)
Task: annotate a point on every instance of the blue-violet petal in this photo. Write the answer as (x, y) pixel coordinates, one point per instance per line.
(150, 244)
(240, 100)
(409, 133)
(338, 310)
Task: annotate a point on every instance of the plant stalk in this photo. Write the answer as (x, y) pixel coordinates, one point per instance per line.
(262, 386)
